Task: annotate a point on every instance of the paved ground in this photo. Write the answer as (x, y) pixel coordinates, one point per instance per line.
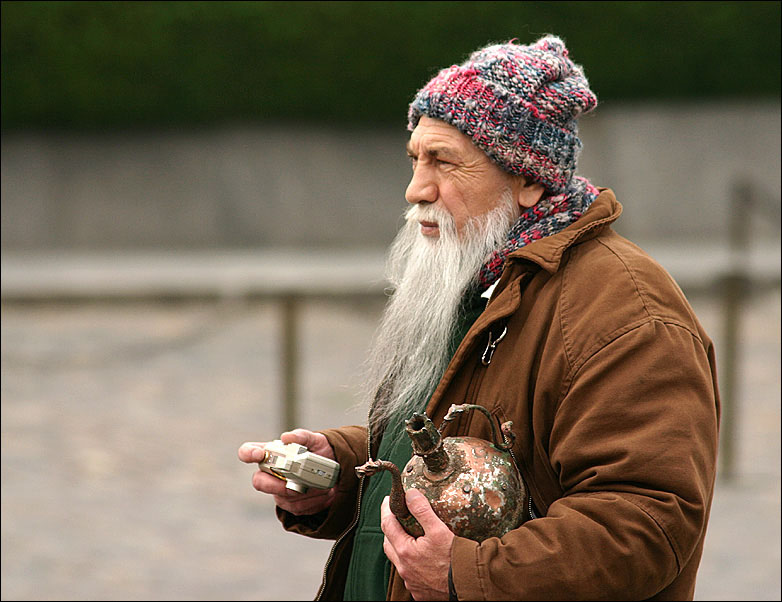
(120, 425)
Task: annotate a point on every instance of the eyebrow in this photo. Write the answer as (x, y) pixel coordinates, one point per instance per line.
(435, 151)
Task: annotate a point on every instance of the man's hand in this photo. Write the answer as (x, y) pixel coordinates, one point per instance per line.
(296, 503)
(423, 562)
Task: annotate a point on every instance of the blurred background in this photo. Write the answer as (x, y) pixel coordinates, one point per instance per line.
(196, 200)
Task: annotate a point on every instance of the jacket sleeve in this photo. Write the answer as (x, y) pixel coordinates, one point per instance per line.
(350, 449)
(633, 444)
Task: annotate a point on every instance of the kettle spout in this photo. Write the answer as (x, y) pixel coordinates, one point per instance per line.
(427, 442)
(397, 501)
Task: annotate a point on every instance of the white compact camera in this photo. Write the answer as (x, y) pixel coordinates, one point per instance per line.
(301, 469)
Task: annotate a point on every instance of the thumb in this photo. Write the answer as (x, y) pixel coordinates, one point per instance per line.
(314, 442)
(421, 509)
(300, 436)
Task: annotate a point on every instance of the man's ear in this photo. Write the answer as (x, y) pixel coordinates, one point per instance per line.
(526, 192)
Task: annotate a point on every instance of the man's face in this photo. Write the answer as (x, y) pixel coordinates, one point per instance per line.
(450, 172)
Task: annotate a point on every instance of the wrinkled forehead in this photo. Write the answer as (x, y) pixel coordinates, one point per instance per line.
(435, 135)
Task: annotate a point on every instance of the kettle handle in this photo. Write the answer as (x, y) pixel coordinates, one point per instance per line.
(508, 436)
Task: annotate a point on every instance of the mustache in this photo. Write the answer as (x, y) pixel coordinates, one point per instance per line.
(427, 212)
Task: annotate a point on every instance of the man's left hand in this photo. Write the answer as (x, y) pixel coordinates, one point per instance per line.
(421, 562)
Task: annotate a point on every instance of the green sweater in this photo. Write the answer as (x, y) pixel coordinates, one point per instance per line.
(370, 569)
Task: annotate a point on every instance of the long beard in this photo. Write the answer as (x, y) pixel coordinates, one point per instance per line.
(412, 345)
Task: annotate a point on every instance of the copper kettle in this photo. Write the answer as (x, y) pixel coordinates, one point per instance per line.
(472, 484)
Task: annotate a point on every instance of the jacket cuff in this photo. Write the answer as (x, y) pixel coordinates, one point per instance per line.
(465, 570)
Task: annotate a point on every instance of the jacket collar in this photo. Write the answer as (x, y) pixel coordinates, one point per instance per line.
(547, 252)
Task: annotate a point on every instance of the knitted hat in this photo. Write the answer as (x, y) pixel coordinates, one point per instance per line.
(519, 104)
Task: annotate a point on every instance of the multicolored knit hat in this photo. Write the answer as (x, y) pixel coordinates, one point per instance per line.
(519, 104)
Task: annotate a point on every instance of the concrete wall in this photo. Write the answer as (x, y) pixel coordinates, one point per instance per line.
(672, 166)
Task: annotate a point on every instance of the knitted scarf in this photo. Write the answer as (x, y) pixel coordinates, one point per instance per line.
(548, 216)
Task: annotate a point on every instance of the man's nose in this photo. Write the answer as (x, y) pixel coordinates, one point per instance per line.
(422, 187)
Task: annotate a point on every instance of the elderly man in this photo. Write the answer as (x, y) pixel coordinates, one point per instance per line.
(513, 292)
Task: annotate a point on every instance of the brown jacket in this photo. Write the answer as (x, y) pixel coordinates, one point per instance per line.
(610, 382)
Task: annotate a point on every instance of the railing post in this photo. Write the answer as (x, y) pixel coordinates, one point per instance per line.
(735, 285)
(289, 359)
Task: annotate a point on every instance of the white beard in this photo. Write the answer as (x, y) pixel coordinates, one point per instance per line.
(411, 349)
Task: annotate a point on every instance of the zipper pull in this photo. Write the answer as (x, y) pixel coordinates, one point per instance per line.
(491, 346)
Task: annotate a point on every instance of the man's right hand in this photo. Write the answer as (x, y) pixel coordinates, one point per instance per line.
(296, 503)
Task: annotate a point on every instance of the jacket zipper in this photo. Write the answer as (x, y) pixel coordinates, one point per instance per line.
(355, 518)
(473, 393)
(531, 508)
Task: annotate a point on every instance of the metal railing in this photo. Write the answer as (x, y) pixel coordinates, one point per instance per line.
(290, 280)
(736, 285)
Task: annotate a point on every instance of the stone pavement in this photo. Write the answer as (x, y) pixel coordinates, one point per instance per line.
(120, 424)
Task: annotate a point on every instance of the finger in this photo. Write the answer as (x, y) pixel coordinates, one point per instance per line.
(421, 509)
(281, 489)
(266, 483)
(314, 442)
(252, 452)
(390, 526)
(390, 552)
(311, 505)
(312, 492)
(300, 436)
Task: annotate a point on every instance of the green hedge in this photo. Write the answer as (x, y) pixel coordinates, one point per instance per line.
(126, 64)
